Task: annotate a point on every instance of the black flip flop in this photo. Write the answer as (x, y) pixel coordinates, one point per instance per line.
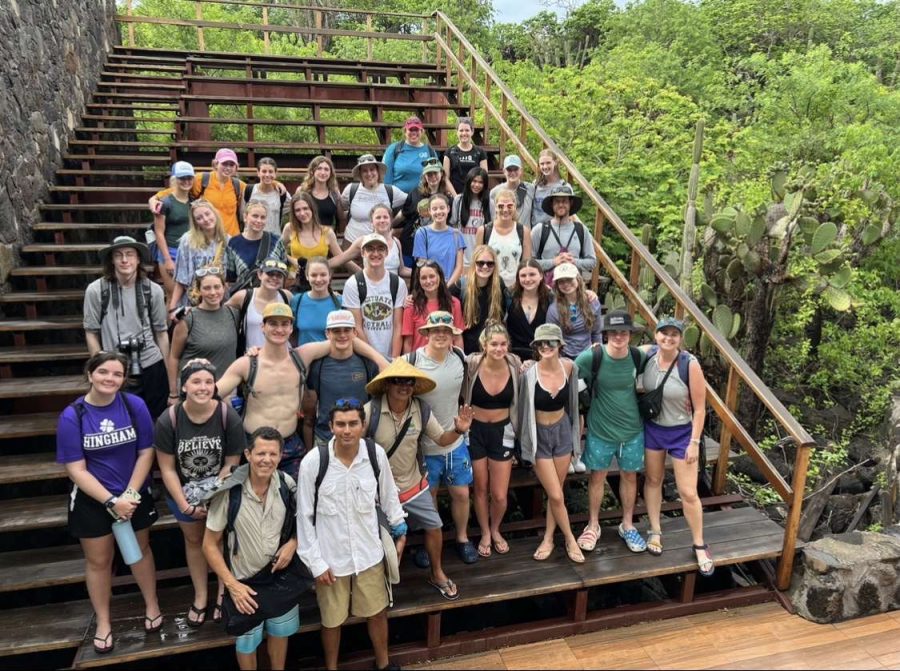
(153, 628)
(106, 648)
(200, 614)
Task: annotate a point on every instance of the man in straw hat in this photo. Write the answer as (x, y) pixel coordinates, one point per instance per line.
(447, 464)
(614, 425)
(124, 311)
(398, 420)
(563, 239)
(366, 190)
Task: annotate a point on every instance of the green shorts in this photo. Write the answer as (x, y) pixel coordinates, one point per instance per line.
(598, 453)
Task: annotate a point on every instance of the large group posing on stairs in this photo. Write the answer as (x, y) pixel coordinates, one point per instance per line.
(300, 432)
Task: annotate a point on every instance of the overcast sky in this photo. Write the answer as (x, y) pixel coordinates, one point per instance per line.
(513, 11)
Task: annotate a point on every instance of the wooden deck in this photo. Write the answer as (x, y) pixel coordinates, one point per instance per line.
(754, 637)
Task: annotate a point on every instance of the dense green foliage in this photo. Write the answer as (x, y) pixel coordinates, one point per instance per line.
(802, 91)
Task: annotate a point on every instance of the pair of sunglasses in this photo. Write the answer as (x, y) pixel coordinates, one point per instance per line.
(211, 270)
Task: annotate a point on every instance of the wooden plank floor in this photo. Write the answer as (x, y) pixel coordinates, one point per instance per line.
(755, 637)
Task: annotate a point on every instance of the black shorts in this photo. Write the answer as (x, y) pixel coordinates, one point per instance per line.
(486, 440)
(88, 518)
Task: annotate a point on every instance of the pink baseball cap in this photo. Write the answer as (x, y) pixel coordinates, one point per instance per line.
(413, 122)
(226, 154)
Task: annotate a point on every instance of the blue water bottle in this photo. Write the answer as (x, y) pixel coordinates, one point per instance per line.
(127, 542)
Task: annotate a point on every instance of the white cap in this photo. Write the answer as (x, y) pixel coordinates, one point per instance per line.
(565, 271)
(339, 319)
(373, 237)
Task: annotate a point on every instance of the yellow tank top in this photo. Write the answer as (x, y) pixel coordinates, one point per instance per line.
(300, 251)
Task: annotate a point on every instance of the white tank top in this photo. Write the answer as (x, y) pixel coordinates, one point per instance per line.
(253, 323)
(509, 254)
(392, 262)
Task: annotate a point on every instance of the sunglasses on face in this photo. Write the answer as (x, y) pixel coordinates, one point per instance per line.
(403, 381)
(347, 404)
(552, 344)
(484, 264)
(203, 272)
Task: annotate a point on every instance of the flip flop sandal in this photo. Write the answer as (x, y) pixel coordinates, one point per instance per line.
(575, 555)
(501, 547)
(706, 566)
(543, 555)
(587, 541)
(654, 543)
(447, 589)
(149, 627)
(199, 615)
(484, 550)
(217, 609)
(108, 644)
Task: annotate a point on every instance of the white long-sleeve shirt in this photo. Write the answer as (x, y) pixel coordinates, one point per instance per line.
(345, 537)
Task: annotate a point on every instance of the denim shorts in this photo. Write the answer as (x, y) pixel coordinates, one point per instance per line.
(629, 454)
(279, 627)
(453, 469)
(177, 514)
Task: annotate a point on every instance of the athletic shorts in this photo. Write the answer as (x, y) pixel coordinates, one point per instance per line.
(363, 595)
(629, 454)
(278, 627)
(554, 440)
(88, 518)
(453, 469)
(494, 440)
(672, 439)
(421, 513)
(177, 514)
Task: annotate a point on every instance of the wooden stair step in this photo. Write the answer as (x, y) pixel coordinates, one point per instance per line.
(138, 66)
(41, 628)
(66, 188)
(142, 107)
(336, 123)
(180, 86)
(42, 296)
(29, 468)
(89, 226)
(66, 207)
(323, 103)
(41, 271)
(42, 324)
(59, 248)
(44, 512)
(26, 426)
(119, 158)
(56, 385)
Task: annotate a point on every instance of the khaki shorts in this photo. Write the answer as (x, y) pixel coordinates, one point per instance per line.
(363, 595)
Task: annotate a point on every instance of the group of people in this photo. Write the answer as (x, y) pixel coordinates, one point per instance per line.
(290, 422)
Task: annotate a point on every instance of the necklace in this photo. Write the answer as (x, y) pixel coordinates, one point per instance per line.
(398, 423)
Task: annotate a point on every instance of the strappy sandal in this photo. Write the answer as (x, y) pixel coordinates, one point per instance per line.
(150, 627)
(198, 613)
(447, 589)
(217, 609)
(575, 555)
(543, 554)
(707, 565)
(587, 541)
(654, 543)
(484, 550)
(107, 641)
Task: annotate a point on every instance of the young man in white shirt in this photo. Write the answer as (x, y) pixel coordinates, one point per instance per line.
(337, 529)
(379, 312)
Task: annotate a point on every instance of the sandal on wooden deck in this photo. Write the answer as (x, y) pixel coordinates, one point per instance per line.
(484, 549)
(447, 589)
(587, 541)
(706, 563)
(153, 624)
(654, 543)
(217, 609)
(543, 552)
(575, 554)
(107, 641)
(501, 547)
(199, 616)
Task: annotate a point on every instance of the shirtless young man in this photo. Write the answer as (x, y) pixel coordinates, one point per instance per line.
(276, 391)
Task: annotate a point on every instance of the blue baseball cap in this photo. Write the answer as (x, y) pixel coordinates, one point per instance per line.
(670, 321)
(182, 169)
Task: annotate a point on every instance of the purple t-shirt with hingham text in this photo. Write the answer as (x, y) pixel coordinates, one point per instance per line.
(105, 439)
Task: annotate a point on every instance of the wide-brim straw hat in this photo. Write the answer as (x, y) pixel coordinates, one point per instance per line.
(368, 159)
(400, 367)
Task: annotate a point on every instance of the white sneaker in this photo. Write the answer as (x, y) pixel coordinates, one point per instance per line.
(571, 467)
(579, 465)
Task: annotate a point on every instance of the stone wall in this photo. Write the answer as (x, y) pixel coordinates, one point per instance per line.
(51, 56)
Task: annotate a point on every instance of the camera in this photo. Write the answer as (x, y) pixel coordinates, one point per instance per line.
(132, 349)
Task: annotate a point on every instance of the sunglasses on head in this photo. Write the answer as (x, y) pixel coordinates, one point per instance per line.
(274, 267)
(441, 319)
(347, 404)
(484, 264)
(430, 161)
(403, 381)
(211, 270)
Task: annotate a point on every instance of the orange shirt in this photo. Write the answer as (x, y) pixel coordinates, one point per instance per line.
(222, 197)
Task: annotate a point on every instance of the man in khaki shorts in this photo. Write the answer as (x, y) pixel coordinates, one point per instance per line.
(337, 527)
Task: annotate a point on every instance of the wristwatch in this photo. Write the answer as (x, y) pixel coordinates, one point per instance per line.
(111, 502)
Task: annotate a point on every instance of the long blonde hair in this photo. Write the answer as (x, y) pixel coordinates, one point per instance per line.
(196, 237)
(310, 180)
(581, 302)
(471, 308)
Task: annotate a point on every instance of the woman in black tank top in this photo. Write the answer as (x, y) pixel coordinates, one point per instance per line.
(493, 393)
(553, 407)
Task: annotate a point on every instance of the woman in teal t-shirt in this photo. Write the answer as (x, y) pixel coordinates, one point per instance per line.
(316, 303)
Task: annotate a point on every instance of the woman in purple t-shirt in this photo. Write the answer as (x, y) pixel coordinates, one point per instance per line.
(105, 441)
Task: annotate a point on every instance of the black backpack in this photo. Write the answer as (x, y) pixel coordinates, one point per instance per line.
(375, 420)
(143, 300)
(545, 235)
(80, 411)
(242, 318)
(235, 183)
(288, 527)
(325, 457)
(363, 290)
(389, 190)
(314, 376)
(245, 391)
(489, 228)
(250, 278)
(587, 395)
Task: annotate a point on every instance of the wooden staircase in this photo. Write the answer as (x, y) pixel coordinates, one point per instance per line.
(153, 107)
